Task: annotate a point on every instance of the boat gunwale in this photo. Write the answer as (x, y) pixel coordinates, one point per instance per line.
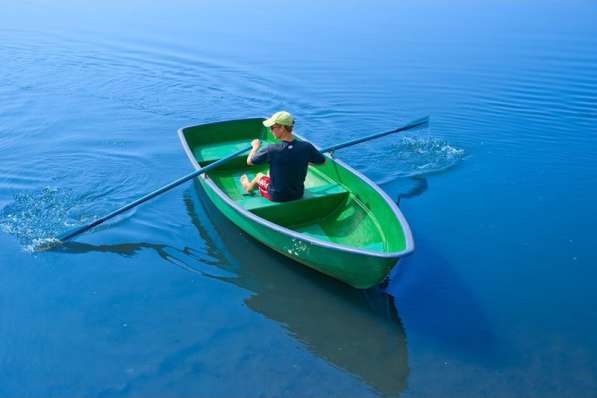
(409, 242)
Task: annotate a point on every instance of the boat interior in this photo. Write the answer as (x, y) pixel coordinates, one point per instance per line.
(337, 207)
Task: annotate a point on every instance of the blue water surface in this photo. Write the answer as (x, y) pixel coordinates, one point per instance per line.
(172, 300)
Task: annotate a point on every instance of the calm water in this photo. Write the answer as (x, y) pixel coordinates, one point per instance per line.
(172, 300)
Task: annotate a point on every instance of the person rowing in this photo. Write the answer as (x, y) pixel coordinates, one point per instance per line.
(288, 161)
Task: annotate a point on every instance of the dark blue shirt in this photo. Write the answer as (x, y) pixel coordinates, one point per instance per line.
(288, 162)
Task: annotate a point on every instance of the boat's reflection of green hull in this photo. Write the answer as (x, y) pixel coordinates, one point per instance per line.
(356, 330)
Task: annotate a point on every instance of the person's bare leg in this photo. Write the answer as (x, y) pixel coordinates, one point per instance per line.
(250, 185)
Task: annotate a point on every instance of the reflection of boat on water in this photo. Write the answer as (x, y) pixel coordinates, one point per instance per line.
(356, 330)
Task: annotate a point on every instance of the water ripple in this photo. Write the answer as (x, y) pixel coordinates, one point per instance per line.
(40, 215)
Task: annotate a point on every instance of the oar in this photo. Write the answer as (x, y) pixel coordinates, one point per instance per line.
(79, 230)
(414, 124)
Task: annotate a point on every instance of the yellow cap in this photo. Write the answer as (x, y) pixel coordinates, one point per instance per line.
(284, 118)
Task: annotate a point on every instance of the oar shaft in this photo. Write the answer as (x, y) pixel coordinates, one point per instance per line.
(173, 184)
(414, 124)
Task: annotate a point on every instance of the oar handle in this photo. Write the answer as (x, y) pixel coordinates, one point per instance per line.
(414, 124)
(79, 230)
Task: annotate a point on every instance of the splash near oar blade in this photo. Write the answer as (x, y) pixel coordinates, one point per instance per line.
(47, 244)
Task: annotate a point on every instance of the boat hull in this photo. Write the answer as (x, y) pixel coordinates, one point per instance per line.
(356, 269)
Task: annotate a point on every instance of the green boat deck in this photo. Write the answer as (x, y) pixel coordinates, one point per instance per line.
(217, 150)
(326, 212)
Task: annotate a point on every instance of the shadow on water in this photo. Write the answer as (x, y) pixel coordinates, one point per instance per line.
(417, 186)
(358, 331)
(186, 258)
(408, 187)
(433, 297)
(439, 307)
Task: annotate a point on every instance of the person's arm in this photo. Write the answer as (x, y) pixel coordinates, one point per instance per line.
(316, 157)
(256, 144)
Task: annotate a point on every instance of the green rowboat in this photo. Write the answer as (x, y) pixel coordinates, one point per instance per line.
(345, 226)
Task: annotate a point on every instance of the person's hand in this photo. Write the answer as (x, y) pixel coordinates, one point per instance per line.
(256, 143)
